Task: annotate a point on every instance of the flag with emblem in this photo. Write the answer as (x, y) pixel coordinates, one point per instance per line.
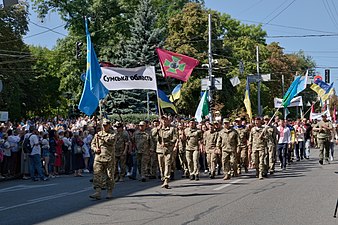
(176, 65)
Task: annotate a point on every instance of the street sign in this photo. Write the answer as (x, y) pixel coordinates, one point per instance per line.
(205, 83)
(254, 78)
(3, 116)
(317, 77)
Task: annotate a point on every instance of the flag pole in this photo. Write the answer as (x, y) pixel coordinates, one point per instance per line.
(310, 108)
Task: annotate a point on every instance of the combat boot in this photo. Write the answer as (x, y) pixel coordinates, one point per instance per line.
(97, 194)
(109, 194)
(226, 177)
(260, 177)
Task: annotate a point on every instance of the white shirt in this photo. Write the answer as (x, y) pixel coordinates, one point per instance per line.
(284, 135)
(36, 148)
(13, 141)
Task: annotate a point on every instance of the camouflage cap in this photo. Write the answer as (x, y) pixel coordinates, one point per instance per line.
(118, 124)
(192, 120)
(105, 122)
(226, 120)
(266, 117)
(142, 123)
(238, 119)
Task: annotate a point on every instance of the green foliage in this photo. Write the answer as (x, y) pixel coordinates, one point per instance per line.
(132, 118)
(126, 32)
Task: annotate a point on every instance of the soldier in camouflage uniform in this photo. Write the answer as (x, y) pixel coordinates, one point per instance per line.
(153, 155)
(227, 142)
(143, 143)
(181, 151)
(121, 149)
(243, 133)
(210, 140)
(167, 138)
(103, 145)
(272, 141)
(194, 137)
(257, 145)
(324, 129)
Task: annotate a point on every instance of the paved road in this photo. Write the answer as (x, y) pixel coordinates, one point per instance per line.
(305, 194)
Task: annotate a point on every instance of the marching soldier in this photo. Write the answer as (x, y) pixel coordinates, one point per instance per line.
(257, 145)
(243, 133)
(194, 138)
(103, 146)
(272, 141)
(121, 149)
(166, 140)
(324, 128)
(181, 151)
(227, 143)
(143, 143)
(210, 141)
(153, 155)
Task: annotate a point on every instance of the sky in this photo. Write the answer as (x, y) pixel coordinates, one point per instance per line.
(311, 26)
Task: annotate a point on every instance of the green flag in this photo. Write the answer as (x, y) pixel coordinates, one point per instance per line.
(203, 107)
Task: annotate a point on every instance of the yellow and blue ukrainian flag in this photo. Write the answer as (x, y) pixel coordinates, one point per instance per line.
(176, 93)
(93, 90)
(164, 101)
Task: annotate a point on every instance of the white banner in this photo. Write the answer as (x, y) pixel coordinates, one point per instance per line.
(297, 101)
(318, 116)
(3, 116)
(129, 78)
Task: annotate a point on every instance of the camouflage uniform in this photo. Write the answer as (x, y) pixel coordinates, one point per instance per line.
(122, 141)
(270, 152)
(227, 142)
(182, 152)
(210, 141)
(143, 143)
(194, 136)
(257, 141)
(166, 139)
(243, 134)
(103, 145)
(323, 137)
(153, 155)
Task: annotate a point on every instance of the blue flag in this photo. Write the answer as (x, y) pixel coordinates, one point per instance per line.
(291, 92)
(93, 90)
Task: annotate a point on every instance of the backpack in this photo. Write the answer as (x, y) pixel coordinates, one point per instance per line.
(26, 146)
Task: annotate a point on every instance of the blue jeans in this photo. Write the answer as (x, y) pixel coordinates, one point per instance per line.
(35, 164)
(282, 152)
(299, 150)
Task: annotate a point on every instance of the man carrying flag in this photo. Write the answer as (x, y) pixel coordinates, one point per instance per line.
(176, 65)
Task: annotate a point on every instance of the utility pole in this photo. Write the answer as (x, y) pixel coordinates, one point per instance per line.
(283, 95)
(258, 83)
(211, 78)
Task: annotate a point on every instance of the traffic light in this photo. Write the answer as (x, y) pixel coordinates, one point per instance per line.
(78, 49)
(327, 76)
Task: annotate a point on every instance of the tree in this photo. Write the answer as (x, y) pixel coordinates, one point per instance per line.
(138, 50)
